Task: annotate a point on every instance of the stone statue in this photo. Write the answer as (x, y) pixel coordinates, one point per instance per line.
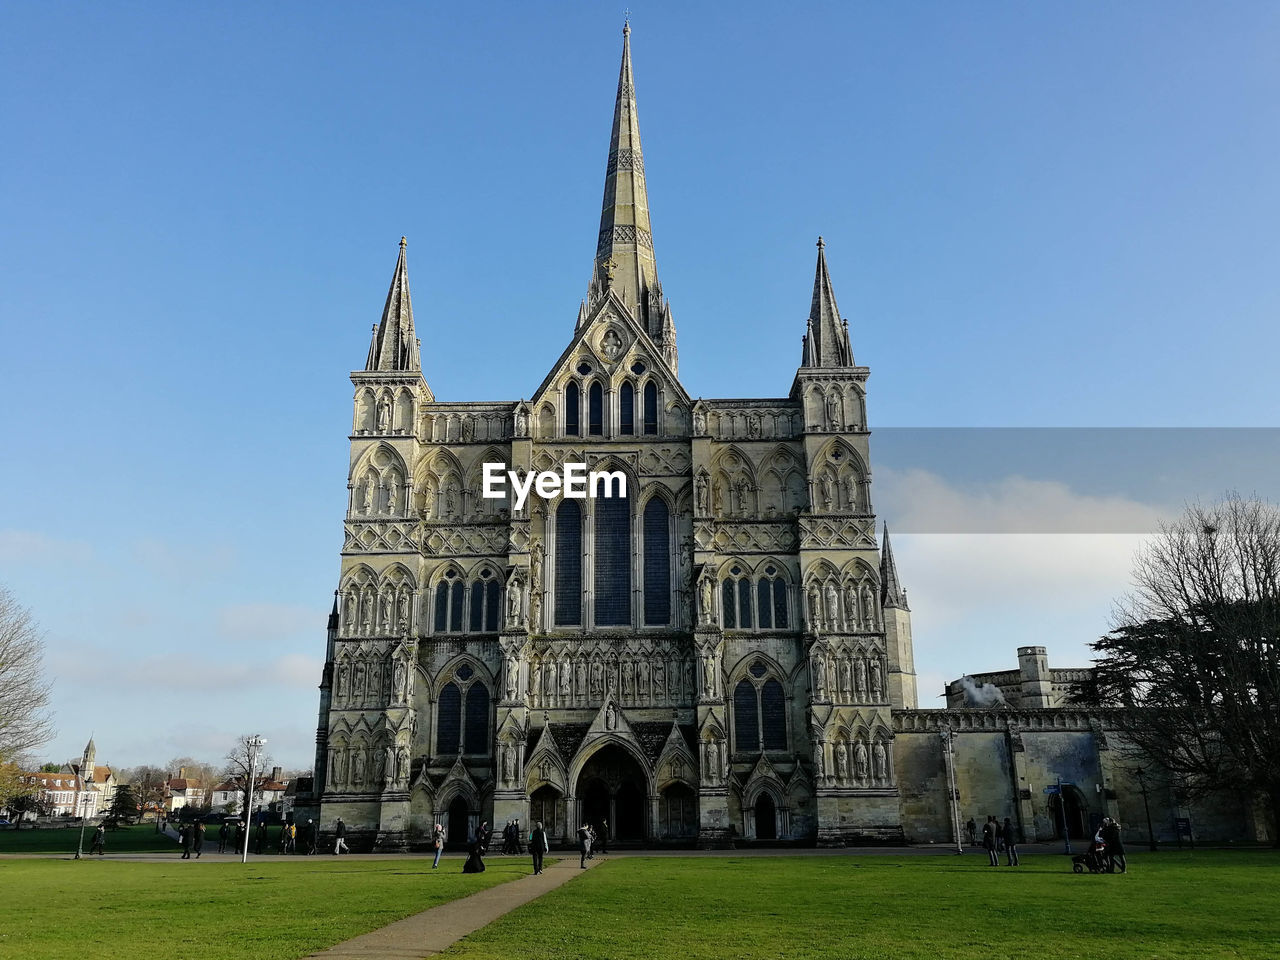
(875, 681)
(815, 608)
(819, 677)
(357, 690)
(349, 618)
(385, 623)
(824, 484)
(699, 423)
(342, 682)
(357, 767)
(833, 604)
(428, 503)
(706, 596)
(744, 496)
(403, 620)
(384, 415)
(400, 680)
(642, 677)
(389, 765)
(549, 682)
(508, 763)
(820, 757)
(851, 493)
(610, 718)
(535, 607)
(850, 607)
(535, 678)
(392, 496)
(513, 678)
(566, 680)
(753, 425)
(451, 501)
(844, 678)
(522, 422)
(842, 761)
(701, 493)
(881, 761)
(833, 411)
(860, 676)
(860, 760)
(868, 608)
(597, 680)
(709, 677)
(515, 598)
(368, 495)
(611, 345)
(402, 765)
(535, 565)
(659, 678)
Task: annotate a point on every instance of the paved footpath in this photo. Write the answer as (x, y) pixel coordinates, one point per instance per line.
(428, 933)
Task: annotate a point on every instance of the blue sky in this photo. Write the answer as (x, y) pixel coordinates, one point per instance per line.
(1037, 216)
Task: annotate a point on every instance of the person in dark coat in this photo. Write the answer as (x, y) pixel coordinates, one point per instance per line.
(602, 837)
(224, 832)
(538, 845)
(483, 835)
(989, 841)
(197, 838)
(186, 835)
(240, 831)
(971, 828)
(475, 852)
(340, 838)
(99, 841)
(584, 845)
(313, 838)
(1115, 846)
(1010, 837)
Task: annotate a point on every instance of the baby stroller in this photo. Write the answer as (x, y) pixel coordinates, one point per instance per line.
(1095, 861)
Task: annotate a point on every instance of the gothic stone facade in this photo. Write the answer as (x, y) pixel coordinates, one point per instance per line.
(723, 654)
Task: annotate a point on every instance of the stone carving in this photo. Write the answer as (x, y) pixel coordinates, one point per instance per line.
(701, 487)
(400, 681)
(508, 763)
(515, 604)
(842, 761)
(819, 668)
(874, 674)
(833, 411)
(850, 607)
(521, 422)
(824, 485)
(880, 760)
(868, 608)
(611, 345)
(513, 678)
(392, 494)
(860, 760)
(843, 684)
(860, 677)
(597, 680)
(699, 423)
(706, 599)
(833, 605)
(368, 496)
(384, 415)
(357, 768)
(342, 682)
(815, 608)
(610, 718)
(820, 757)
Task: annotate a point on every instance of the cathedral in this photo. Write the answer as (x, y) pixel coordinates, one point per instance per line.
(722, 654)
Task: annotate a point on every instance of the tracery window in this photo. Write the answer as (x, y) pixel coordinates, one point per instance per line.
(572, 409)
(484, 603)
(568, 559)
(657, 563)
(650, 408)
(595, 410)
(759, 712)
(627, 410)
(612, 558)
(765, 605)
(449, 603)
(455, 727)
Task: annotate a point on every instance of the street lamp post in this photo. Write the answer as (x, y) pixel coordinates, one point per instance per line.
(1146, 805)
(254, 743)
(80, 805)
(949, 763)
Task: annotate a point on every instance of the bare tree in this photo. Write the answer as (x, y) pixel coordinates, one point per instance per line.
(206, 773)
(25, 723)
(1196, 652)
(148, 784)
(238, 771)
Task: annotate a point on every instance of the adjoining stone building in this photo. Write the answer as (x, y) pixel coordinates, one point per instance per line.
(722, 654)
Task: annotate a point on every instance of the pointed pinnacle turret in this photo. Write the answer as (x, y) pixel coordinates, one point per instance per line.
(395, 346)
(891, 592)
(828, 344)
(624, 258)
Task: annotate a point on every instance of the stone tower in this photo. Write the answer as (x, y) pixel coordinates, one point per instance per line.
(712, 654)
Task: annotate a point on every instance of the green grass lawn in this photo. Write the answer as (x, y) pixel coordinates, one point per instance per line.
(1170, 905)
(63, 910)
(140, 838)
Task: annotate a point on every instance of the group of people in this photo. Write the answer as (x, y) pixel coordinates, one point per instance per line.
(1108, 845)
(590, 839)
(231, 838)
(511, 842)
(997, 838)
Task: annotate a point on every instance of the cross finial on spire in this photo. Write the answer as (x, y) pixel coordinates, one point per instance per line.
(626, 22)
(403, 243)
(820, 243)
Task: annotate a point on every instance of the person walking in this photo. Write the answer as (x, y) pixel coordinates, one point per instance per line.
(1115, 846)
(437, 841)
(1010, 843)
(989, 842)
(223, 832)
(475, 850)
(538, 845)
(584, 845)
(313, 839)
(185, 835)
(197, 841)
(290, 833)
(602, 837)
(99, 841)
(971, 829)
(260, 838)
(240, 832)
(483, 835)
(340, 838)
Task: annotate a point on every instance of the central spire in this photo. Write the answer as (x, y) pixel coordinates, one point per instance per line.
(624, 252)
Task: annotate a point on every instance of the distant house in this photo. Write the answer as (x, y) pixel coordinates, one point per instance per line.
(59, 794)
(269, 793)
(183, 791)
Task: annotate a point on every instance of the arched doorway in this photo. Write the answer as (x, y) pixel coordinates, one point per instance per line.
(1069, 810)
(766, 818)
(678, 809)
(544, 806)
(613, 788)
(459, 823)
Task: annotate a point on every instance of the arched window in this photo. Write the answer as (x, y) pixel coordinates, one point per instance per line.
(650, 408)
(771, 600)
(773, 715)
(729, 601)
(449, 720)
(627, 409)
(571, 409)
(476, 731)
(612, 556)
(746, 718)
(736, 600)
(484, 603)
(449, 603)
(568, 564)
(657, 563)
(595, 410)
